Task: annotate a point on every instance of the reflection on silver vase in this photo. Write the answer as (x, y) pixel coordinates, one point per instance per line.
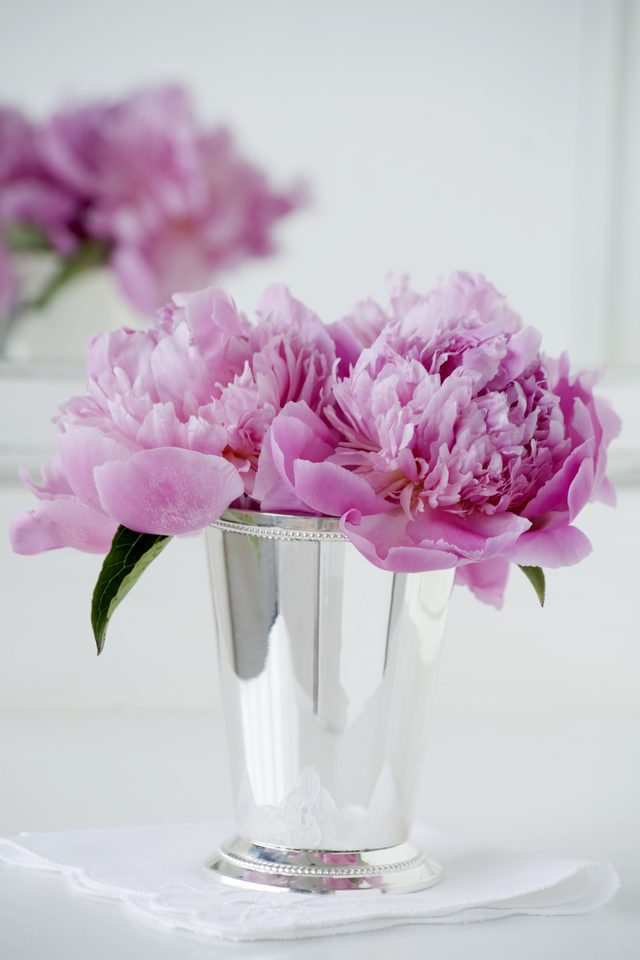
(326, 665)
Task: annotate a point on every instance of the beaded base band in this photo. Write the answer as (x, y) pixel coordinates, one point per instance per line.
(402, 868)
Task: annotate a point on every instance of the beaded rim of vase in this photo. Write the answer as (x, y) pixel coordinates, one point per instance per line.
(280, 526)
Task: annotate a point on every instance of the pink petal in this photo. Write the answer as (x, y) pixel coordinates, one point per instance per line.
(299, 410)
(611, 425)
(124, 348)
(163, 428)
(559, 547)
(486, 580)
(297, 433)
(212, 316)
(53, 484)
(167, 490)
(178, 369)
(277, 300)
(609, 420)
(64, 522)
(330, 489)
(553, 496)
(523, 347)
(434, 540)
(81, 451)
(606, 492)
(581, 489)
(380, 539)
(477, 536)
(270, 489)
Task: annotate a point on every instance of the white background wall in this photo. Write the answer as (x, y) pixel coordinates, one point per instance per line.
(435, 135)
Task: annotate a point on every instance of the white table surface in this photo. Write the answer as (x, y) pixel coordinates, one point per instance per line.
(567, 786)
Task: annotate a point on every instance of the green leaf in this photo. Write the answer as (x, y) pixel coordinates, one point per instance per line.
(129, 556)
(90, 253)
(535, 575)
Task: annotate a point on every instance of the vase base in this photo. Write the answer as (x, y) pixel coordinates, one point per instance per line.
(399, 869)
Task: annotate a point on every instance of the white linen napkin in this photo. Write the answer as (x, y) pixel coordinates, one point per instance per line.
(158, 872)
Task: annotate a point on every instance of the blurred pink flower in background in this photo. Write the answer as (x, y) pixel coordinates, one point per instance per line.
(170, 202)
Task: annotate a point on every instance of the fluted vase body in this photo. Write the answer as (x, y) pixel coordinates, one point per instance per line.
(327, 666)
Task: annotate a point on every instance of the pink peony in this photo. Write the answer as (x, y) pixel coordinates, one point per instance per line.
(174, 419)
(165, 202)
(453, 442)
(176, 202)
(450, 441)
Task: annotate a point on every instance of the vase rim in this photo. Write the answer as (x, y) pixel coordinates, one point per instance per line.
(297, 526)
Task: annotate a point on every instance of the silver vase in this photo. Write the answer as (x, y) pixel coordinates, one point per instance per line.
(326, 666)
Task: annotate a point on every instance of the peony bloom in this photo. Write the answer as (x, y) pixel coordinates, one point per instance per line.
(446, 439)
(165, 202)
(175, 202)
(170, 430)
(453, 442)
